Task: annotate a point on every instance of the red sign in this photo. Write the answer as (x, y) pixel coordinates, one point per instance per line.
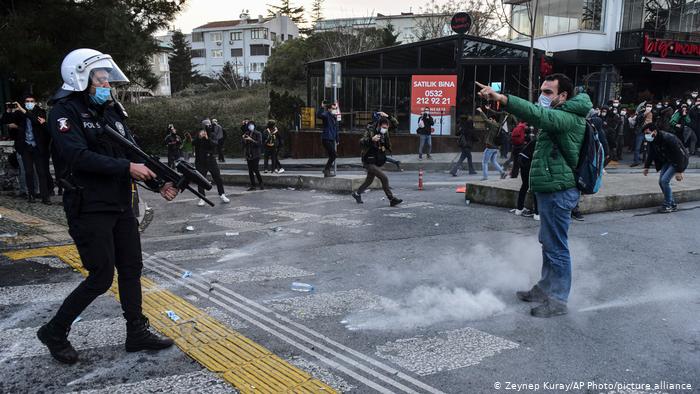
(437, 92)
(461, 22)
(665, 48)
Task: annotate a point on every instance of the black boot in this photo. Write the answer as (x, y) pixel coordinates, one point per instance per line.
(56, 339)
(139, 337)
(395, 201)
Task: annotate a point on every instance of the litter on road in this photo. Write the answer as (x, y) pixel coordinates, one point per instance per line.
(302, 287)
(172, 315)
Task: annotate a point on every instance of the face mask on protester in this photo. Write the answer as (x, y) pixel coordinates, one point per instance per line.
(648, 108)
(623, 113)
(665, 104)
(603, 114)
(383, 130)
(544, 101)
(29, 106)
(616, 105)
(659, 106)
(251, 127)
(649, 137)
(689, 102)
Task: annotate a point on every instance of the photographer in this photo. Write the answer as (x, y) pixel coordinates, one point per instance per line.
(205, 161)
(98, 200)
(32, 141)
(252, 144)
(173, 143)
(375, 145)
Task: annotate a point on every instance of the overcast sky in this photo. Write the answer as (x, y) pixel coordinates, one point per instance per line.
(199, 12)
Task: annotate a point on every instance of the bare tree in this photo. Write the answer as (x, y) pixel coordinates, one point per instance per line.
(436, 20)
(348, 39)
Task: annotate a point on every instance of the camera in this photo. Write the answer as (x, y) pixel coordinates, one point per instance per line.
(9, 105)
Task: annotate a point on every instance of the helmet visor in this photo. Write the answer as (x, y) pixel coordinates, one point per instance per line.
(104, 69)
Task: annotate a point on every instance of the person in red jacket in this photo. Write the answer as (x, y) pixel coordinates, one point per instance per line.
(517, 141)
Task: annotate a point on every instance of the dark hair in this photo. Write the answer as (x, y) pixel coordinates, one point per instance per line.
(649, 126)
(383, 121)
(565, 84)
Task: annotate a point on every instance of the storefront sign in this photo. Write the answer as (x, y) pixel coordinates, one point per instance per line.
(308, 118)
(439, 94)
(670, 48)
(461, 23)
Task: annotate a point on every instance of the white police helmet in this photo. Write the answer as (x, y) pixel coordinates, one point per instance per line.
(78, 65)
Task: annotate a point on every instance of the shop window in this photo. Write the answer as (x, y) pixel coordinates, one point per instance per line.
(373, 93)
(560, 16)
(400, 59)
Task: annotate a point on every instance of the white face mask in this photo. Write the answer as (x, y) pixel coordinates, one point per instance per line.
(251, 127)
(544, 101)
(383, 130)
(623, 113)
(649, 137)
(29, 106)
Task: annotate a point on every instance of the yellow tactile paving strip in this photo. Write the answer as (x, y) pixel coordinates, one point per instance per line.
(51, 232)
(246, 365)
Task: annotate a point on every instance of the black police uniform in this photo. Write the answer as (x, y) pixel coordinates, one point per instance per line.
(97, 200)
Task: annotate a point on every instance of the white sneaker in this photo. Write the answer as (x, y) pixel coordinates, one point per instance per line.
(224, 199)
(536, 217)
(518, 212)
(200, 203)
(281, 170)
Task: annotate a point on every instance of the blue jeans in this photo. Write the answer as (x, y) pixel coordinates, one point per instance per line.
(665, 175)
(555, 219)
(638, 139)
(425, 140)
(490, 155)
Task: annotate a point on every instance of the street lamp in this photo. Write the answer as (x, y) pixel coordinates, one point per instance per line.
(531, 57)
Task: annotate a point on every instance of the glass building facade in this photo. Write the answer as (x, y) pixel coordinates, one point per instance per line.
(559, 16)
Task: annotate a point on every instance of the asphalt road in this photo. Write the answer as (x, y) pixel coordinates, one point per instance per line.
(420, 298)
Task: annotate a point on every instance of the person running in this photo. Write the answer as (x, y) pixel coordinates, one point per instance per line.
(375, 145)
(465, 142)
(205, 161)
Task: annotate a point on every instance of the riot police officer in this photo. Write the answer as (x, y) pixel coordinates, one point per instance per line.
(97, 195)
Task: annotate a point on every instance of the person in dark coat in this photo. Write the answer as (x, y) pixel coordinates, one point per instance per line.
(329, 114)
(465, 142)
(32, 142)
(252, 146)
(173, 143)
(205, 161)
(670, 157)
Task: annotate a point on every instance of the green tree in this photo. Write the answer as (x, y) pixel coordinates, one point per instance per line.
(182, 72)
(36, 35)
(285, 66)
(389, 36)
(296, 14)
(316, 10)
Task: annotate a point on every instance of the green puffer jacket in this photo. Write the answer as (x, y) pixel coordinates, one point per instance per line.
(551, 169)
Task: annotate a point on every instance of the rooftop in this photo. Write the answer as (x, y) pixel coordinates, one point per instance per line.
(232, 23)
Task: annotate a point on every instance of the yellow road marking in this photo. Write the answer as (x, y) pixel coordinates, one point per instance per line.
(245, 364)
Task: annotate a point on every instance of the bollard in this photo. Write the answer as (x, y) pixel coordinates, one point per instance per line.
(420, 179)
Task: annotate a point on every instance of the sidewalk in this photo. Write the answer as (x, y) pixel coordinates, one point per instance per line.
(619, 192)
(439, 162)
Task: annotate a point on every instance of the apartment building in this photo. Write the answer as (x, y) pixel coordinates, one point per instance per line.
(406, 24)
(246, 43)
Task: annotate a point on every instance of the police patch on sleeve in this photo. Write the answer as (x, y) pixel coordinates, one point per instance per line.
(63, 125)
(120, 128)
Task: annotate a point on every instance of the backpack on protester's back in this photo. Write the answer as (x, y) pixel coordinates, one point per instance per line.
(591, 162)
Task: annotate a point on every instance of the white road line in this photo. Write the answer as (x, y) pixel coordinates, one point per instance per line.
(174, 270)
(283, 337)
(392, 371)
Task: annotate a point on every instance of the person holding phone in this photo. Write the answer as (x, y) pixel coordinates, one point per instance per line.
(205, 161)
(252, 146)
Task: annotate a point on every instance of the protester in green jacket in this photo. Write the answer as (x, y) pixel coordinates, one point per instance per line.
(560, 116)
(681, 124)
